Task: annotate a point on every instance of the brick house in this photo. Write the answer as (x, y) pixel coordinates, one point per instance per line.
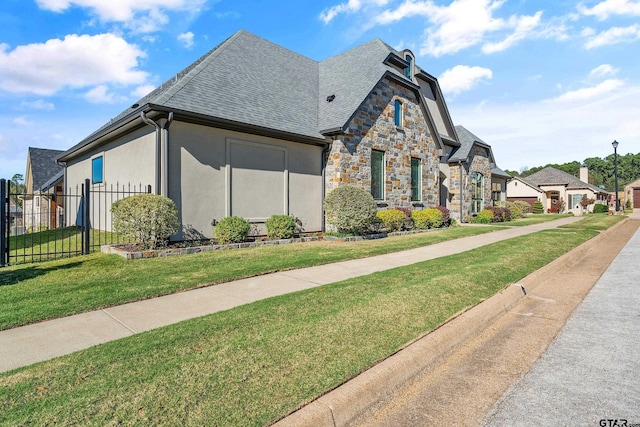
(253, 129)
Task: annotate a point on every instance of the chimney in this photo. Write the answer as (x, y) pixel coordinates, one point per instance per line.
(584, 173)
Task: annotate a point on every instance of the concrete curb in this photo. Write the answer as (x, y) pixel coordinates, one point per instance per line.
(346, 403)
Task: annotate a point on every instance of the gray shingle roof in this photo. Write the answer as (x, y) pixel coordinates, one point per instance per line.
(253, 82)
(43, 165)
(553, 176)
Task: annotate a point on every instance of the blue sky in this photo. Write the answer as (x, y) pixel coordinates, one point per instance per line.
(541, 81)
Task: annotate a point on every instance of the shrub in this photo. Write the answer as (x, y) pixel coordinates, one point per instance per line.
(280, 226)
(408, 222)
(499, 214)
(147, 218)
(350, 209)
(485, 216)
(232, 229)
(393, 219)
(524, 206)
(446, 215)
(600, 208)
(427, 218)
(514, 210)
(537, 207)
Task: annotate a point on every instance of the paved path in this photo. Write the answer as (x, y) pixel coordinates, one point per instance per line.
(42, 341)
(591, 371)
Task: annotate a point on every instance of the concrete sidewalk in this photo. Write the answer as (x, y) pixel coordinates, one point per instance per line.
(590, 373)
(42, 341)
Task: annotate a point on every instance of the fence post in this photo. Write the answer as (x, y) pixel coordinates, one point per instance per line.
(4, 202)
(85, 217)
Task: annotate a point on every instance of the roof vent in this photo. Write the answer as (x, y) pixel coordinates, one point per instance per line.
(331, 98)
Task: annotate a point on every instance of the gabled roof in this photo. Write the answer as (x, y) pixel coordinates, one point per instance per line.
(499, 172)
(247, 82)
(467, 140)
(42, 162)
(553, 176)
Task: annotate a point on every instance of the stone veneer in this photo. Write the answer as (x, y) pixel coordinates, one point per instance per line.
(479, 163)
(373, 128)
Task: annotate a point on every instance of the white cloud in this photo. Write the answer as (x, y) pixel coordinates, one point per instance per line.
(351, 6)
(138, 15)
(38, 105)
(607, 8)
(524, 26)
(542, 132)
(466, 23)
(462, 78)
(100, 95)
(613, 35)
(593, 92)
(76, 62)
(22, 121)
(142, 91)
(186, 39)
(603, 70)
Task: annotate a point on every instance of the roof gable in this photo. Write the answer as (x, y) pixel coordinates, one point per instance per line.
(42, 162)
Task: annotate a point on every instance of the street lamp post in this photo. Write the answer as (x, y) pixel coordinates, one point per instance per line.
(615, 171)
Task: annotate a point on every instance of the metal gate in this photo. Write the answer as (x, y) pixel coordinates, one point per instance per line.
(45, 226)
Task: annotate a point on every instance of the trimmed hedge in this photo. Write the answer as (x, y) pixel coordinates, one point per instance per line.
(600, 208)
(232, 229)
(427, 218)
(281, 226)
(149, 219)
(392, 219)
(350, 210)
(485, 216)
(537, 207)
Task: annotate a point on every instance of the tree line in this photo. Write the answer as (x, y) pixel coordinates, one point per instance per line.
(601, 171)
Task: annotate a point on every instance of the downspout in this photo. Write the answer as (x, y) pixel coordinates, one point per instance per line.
(165, 155)
(150, 122)
(461, 190)
(325, 151)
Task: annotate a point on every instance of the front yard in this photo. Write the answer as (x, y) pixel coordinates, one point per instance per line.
(254, 364)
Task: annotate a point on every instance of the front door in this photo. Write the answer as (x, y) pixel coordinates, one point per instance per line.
(555, 201)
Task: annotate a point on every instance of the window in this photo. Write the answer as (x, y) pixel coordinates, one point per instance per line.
(496, 191)
(397, 115)
(97, 170)
(477, 190)
(407, 71)
(415, 180)
(377, 174)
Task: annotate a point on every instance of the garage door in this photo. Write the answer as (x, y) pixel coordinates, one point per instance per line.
(636, 198)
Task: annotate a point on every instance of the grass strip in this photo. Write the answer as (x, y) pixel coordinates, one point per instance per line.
(534, 219)
(253, 364)
(35, 292)
(597, 222)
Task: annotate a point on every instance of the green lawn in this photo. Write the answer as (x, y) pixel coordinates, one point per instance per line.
(535, 219)
(597, 222)
(253, 364)
(34, 292)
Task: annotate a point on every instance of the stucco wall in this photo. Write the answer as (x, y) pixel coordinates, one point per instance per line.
(373, 128)
(215, 173)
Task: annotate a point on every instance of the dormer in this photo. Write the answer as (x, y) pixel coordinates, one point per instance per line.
(410, 59)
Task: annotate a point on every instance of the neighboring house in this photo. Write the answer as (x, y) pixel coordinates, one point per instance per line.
(631, 192)
(42, 208)
(484, 183)
(558, 191)
(253, 129)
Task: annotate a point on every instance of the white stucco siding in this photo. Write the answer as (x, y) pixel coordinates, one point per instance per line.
(516, 188)
(434, 109)
(215, 173)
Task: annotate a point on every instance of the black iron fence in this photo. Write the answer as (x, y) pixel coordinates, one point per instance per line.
(60, 223)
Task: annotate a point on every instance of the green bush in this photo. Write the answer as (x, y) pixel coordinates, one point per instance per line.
(427, 218)
(525, 207)
(232, 229)
(281, 226)
(485, 216)
(393, 219)
(515, 211)
(599, 208)
(147, 218)
(350, 210)
(537, 207)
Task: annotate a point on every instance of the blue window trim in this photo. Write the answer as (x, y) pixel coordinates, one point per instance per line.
(97, 170)
(397, 115)
(407, 71)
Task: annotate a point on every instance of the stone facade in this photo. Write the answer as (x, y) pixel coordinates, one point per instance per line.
(480, 163)
(373, 128)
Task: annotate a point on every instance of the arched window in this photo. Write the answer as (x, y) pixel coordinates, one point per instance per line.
(477, 192)
(397, 115)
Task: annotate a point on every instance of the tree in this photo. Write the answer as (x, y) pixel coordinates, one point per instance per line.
(17, 187)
